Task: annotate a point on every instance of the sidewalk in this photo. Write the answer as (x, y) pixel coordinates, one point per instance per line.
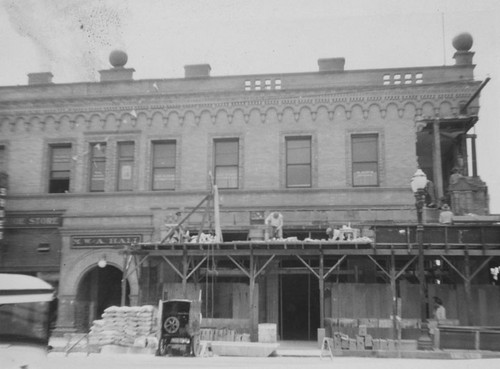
(311, 349)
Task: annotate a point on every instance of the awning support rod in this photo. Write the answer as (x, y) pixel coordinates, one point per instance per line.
(463, 109)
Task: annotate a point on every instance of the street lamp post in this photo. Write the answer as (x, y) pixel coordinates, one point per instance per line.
(418, 183)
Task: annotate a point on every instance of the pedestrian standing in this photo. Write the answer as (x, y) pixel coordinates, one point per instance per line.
(439, 309)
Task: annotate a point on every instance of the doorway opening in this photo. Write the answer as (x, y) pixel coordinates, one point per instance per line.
(99, 289)
(299, 307)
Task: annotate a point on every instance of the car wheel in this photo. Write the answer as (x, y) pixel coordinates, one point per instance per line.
(195, 345)
(162, 348)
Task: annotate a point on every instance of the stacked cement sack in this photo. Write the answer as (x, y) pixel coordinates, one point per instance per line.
(125, 326)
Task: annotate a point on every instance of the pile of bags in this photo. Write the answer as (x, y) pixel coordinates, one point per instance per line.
(125, 326)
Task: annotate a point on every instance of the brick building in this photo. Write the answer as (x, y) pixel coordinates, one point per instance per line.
(95, 167)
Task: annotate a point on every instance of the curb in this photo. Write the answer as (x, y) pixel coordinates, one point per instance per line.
(434, 355)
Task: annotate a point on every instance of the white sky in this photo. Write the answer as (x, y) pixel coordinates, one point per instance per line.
(73, 38)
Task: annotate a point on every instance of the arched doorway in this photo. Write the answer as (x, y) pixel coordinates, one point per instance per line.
(98, 289)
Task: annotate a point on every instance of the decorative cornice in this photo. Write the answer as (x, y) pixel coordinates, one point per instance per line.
(128, 110)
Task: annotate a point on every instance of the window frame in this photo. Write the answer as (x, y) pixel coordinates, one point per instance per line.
(93, 159)
(154, 168)
(375, 136)
(216, 141)
(121, 159)
(51, 171)
(288, 165)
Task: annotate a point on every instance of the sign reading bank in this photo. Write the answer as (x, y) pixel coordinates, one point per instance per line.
(104, 241)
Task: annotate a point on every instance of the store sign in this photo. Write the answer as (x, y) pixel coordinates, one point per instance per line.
(33, 221)
(104, 241)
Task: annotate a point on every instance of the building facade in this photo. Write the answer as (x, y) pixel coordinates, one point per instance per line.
(95, 167)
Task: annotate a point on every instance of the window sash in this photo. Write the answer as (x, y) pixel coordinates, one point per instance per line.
(298, 151)
(126, 150)
(98, 167)
(226, 153)
(164, 179)
(364, 148)
(164, 154)
(226, 156)
(365, 174)
(365, 160)
(164, 161)
(125, 166)
(60, 169)
(298, 162)
(298, 176)
(60, 162)
(226, 177)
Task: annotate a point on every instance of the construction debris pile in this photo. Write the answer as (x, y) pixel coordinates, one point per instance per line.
(125, 326)
(203, 238)
(363, 239)
(211, 334)
(209, 238)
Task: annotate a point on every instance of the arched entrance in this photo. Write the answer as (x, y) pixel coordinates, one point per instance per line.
(98, 289)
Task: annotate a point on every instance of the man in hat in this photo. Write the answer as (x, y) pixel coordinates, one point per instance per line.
(446, 215)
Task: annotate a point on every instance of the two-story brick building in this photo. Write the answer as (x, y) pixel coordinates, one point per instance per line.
(93, 167)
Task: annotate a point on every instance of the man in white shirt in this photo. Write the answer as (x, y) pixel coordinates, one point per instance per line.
(275, 223)
(446, 215)
(439, 310)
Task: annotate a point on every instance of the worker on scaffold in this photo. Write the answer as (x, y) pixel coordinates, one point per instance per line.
(176, 231)
(274, 221)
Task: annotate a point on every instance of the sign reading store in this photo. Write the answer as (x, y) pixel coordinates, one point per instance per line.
(39, 220)
(104, 241)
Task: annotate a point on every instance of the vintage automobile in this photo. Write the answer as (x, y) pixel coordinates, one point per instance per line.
(180, 327)
(24, 321)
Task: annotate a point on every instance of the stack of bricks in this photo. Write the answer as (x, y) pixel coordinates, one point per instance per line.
(224, 334)
(362, 341)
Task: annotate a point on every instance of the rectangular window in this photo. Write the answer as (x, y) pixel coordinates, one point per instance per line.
(365, 160)
(226, 163)
(298, 162)
(125, 166)
(164, 165)
(60, 168)
(97, 167)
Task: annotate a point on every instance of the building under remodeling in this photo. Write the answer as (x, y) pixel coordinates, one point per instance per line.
(98, 176)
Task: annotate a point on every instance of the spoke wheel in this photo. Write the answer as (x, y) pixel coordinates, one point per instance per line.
(195, 345)
(162, 348)
(171, 325)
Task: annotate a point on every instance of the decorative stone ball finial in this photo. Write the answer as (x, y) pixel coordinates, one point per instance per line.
(462, 42)
(118, 58)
